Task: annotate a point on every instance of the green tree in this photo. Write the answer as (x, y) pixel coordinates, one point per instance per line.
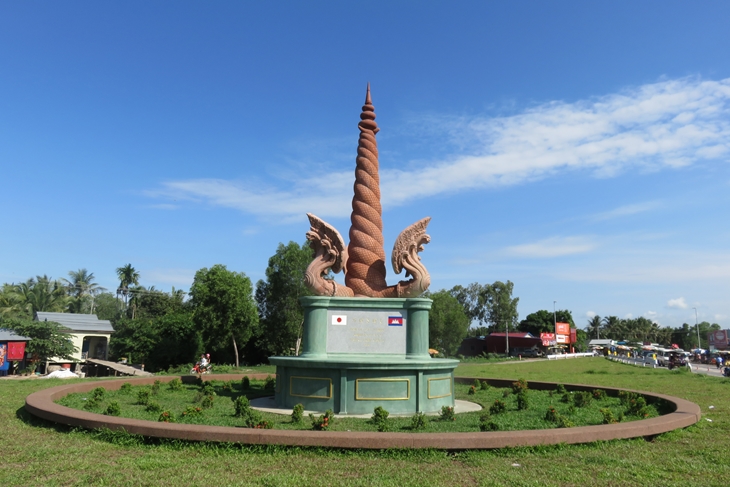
(81, 288)
(541, 321)
(133, 339)
(107, 307)
(223, 308)
(489, 304)
(447, 322)
(594, 326)
(48, 339)
(128, 276)
(178, 341)
(41, 294)
(280, 312)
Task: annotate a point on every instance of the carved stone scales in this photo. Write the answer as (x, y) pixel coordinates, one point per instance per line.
(363, 260)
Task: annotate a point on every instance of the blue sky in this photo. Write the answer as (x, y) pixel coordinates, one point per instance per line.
(578, 149)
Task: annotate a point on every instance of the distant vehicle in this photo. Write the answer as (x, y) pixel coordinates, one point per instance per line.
(525, 352)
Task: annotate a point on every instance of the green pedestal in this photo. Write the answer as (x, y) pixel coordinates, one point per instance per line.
(359, 353)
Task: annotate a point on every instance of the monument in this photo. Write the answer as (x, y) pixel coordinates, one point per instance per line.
(365, 344)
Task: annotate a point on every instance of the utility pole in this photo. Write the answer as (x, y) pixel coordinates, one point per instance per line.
(506, 336)
(698, 329)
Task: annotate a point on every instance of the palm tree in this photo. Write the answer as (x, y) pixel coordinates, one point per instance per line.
(80, 286)
(41, 294)
(127, 277)
(614, 327)
(594, 325)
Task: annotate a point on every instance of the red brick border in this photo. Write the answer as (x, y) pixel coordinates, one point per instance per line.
(42, 404)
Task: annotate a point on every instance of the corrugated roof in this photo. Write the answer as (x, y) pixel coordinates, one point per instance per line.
(77, 322)
(10, 336)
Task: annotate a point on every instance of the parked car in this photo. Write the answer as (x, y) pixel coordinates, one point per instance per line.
(525, 352)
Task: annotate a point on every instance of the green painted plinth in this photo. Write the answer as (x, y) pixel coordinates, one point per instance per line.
(404, 381)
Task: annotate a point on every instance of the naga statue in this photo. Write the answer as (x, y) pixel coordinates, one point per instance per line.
(363, 260)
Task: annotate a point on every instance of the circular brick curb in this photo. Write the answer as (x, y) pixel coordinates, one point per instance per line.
(42, 404)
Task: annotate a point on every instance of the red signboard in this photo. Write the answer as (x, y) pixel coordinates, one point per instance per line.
(16, 350)
(547, 339)
(573, 335)
(718, 338)
(562, 328)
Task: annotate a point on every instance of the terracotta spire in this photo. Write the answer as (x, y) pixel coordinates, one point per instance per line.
(366, 257)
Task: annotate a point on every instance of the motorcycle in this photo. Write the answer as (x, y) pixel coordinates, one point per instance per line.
(198, 369)
(726, 371)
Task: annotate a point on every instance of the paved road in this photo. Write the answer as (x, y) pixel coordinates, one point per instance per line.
(696, 368)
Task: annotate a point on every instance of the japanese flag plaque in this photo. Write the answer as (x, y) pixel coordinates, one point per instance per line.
(366, 331)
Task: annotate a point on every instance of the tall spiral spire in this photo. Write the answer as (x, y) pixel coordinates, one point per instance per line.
(366, 257)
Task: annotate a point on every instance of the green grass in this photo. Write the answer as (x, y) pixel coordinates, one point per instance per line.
(222, 411)
(36, 452)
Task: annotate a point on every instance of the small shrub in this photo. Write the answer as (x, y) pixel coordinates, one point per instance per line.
(91, 404)
(297, 414)
(608, 417)
(486, 423)
(552, 415)
(599, 394)
(582, 399)
(498, 407)
(113, 409)
(143, 396)
(522, 400)
(472, 390)
(380, 419)
(476, 384)
(323, 421)
(98, 394)
(227, 385)
(251, 417)
(485, 385)
(264, 425)
(153, 407)
(506, 393)
(208, 389)
(126, 388)
(192, 412)
(419, 421)
(207, 402)
(245, 383)
(567, 398)
(175, 384)
(270, 383)
(571, 409)
(560, 389)
(519, 386)
(564, 422)
(166, 417)
(447, 413)
(156, 387)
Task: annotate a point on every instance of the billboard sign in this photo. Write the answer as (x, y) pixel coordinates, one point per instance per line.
(718, 338)
(562, 328)
(573, 335)
(562, 338)
(548, 339)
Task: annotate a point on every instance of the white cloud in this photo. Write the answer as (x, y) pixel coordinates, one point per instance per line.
(180, 278)
(669, 124)
(590, 314)
(627, 210)
(552, 247)
(678, 303)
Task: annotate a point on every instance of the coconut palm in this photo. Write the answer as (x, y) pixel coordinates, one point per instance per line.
(594, 326)
(127, 276)
(81, 287)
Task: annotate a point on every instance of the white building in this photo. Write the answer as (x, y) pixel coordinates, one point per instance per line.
(88, 333)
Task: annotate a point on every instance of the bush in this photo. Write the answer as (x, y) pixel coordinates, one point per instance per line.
(564, 422)
(560, 389)
(419, 421)
(166, 417)
(485, 385)
(153, 407)
(143, 396)
(270, 384)
(207, 402)
(522, 400)
(380, 419)
(552, 415)
(91, 404)
(519, 386)
(98, 394)
(567, 398)
(472, 390)
(251, 417)
(207, 389)
(113, 409)
(486, 423)
(608, 417)
(245, 383)
(497, 407)
(126, 388)
(599, 394)
(477, 384)
(582, 399)
(175, 385)
(227, 385)
(506, 393)
(447, 413)
(156, 387)
(322, 422)
(192, 412)
(297, 414)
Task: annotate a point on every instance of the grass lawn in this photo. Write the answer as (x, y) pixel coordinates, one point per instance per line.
(36, 452)
(220, 410)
